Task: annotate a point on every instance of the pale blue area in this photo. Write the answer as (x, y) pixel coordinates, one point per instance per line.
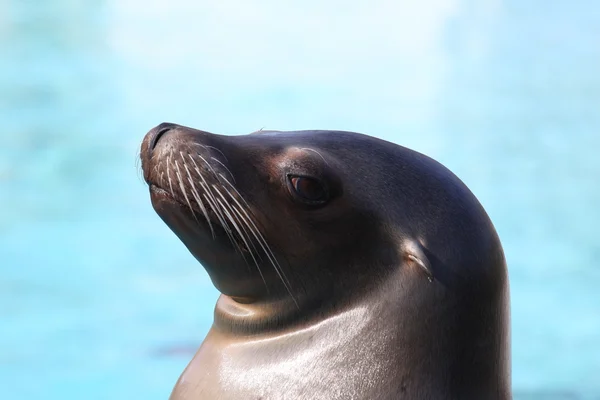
(99, 300)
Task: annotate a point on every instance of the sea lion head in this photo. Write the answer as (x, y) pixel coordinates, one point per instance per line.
(290, 225)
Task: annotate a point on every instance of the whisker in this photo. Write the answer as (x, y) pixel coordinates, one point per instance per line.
(181, 185)
(225, 204)
(205, 146)
(242, 222)
(224, 166)
(197, 198)
(169, 175)
(268, 252)
(156, 169)
(204, 211)
(138, 166)
(234, 242)
(207, 163)
(236, 192)
(256, 231)
(224, 224)
(206, 188)
(210, 198)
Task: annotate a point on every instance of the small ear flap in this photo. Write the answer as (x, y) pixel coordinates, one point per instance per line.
(415, 254)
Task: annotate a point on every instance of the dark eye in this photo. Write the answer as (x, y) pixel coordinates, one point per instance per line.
(308, 189)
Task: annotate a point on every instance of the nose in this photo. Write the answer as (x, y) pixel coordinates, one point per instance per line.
(157, 133)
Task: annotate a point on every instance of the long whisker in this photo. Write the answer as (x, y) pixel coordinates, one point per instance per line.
(225, 205)
(156, 168)
(260, 240)
(236, 192)
(205, 146)
(138, 166)
(224, 166)
(207, 163)
(208, 193)
(234, 242)
(197, 198)
(221, 218)
(182, 186)
(249, 218)
(169, 175)
(268, 252)
(242, 222)
(210, 198)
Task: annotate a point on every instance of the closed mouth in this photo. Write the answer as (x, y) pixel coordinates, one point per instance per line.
(207, 217)
(191, 207)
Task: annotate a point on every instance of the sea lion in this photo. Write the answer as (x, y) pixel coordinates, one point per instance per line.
(349, 267)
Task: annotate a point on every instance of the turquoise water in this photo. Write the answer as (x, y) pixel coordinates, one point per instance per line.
(99, 300)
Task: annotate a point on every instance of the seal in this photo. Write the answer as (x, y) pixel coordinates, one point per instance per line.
(349, 267)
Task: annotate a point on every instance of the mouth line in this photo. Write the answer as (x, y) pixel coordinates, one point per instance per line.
(200, 217)
(164, 192)
(154, 188)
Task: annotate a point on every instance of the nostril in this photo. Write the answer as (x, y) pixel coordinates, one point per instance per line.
(158, 135)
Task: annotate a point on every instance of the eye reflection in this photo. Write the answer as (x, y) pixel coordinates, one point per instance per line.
(308, 188)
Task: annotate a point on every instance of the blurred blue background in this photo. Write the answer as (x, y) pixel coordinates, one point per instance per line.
(99, 300)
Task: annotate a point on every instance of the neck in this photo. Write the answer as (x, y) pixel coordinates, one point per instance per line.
(245, 317)
(313, 302)
(375, 335)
